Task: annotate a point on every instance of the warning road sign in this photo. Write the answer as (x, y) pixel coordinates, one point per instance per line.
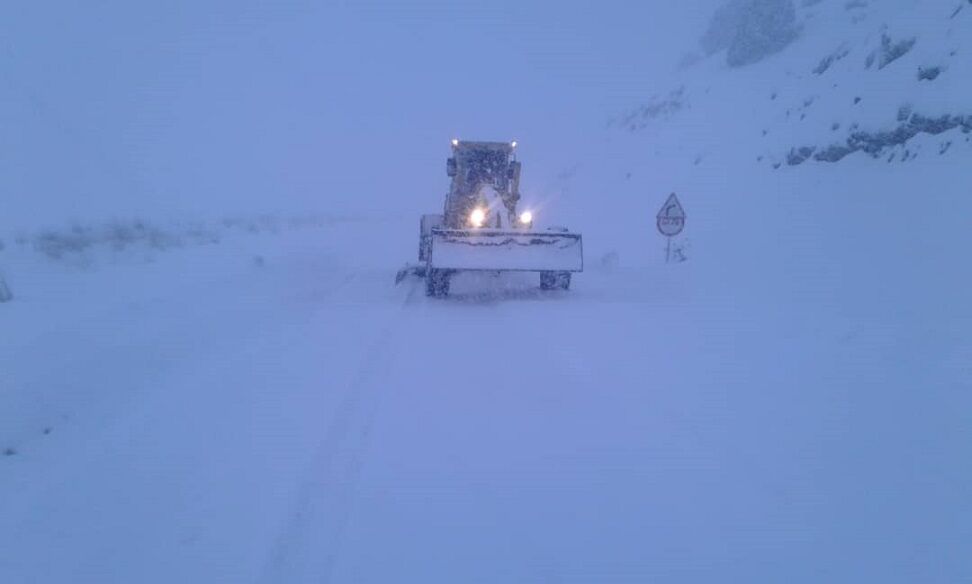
(671, 217)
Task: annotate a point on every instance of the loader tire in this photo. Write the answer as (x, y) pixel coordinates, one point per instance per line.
(437, 283)
(555, 280)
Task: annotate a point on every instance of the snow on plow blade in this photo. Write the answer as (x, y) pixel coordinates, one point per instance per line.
(459, 249)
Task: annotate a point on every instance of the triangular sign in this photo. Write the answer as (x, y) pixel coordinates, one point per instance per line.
(672, 209)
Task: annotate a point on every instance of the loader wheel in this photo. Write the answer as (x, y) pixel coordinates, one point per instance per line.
(437, 283)
(555, 280)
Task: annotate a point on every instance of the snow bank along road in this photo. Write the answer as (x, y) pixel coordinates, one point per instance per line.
(272, 409)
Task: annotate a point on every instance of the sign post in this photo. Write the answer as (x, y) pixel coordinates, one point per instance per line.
(5, 294)
(671, 222)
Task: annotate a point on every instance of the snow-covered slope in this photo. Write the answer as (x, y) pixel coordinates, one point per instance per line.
(856, 72)
(255, 401)
(774, 153)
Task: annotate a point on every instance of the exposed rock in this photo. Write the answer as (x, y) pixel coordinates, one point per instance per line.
(833, 153)
(830, 59)
(723, 27)
(890, 51)
(799, 155)
(929, 73)
(750, 30)
(877, 143)
(657, 107)
(768, 26)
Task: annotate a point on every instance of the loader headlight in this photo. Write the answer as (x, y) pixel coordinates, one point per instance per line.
(477, 217)
(526, 217)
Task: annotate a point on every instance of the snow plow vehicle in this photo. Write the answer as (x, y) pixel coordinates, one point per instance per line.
(481, 228)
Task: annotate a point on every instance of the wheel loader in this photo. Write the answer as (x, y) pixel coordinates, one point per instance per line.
(481, 227)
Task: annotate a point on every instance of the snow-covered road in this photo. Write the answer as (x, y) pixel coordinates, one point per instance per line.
(269, 410)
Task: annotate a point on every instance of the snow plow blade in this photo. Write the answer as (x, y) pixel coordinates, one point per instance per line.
(417, 270)
(500, 250)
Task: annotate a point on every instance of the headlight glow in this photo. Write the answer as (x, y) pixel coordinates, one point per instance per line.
(526, 217)
(477, 217)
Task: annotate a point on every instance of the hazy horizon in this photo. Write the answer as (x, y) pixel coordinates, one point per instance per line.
(115, 110)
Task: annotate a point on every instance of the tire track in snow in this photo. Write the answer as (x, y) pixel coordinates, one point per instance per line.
(310, 540)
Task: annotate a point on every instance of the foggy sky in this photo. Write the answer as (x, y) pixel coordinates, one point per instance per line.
(210, 108)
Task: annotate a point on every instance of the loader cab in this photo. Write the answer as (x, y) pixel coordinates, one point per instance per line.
(477, 170)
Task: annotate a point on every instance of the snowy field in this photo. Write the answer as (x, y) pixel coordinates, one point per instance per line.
(271, 408)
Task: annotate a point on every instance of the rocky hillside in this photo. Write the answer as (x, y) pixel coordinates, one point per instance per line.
(819, 81)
